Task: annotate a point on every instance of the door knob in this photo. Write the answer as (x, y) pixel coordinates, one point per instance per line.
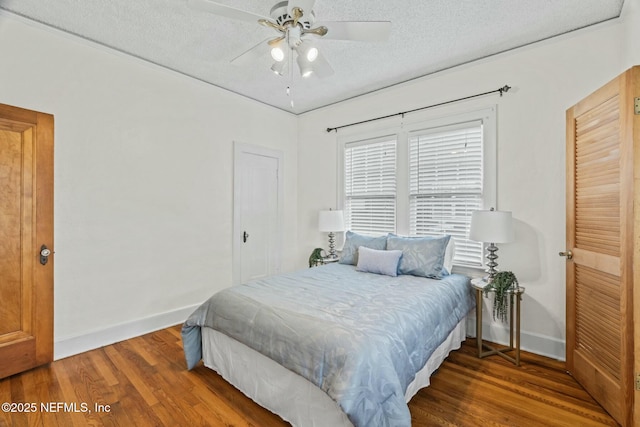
(568, 254)
(44, 254)
(245, 236)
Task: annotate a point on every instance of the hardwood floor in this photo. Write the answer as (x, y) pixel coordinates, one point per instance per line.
(143, 382)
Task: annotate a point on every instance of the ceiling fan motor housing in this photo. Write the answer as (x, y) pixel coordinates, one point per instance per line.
(279, 13)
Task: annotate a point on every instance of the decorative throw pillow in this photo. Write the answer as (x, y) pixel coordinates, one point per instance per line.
(378, 262)
(449, 253)
(354, 240)
(421, 256)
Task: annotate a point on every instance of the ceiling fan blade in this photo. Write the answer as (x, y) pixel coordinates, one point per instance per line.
(365, 31)
(226, 11)
(253, 53)
(276, 41)
(321, 67)
(305, 5)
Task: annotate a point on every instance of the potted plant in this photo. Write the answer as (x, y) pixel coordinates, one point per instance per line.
(501, 283)
(316, 257)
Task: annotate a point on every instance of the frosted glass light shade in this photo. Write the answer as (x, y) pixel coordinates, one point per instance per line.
(491, 226)
(277, 54)
(331, 221)
(304, 65)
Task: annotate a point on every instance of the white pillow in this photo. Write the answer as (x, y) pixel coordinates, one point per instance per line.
(378, 262)
(449, 253)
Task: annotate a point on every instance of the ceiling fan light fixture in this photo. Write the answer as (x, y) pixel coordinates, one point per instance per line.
(305, 66)
(279, 68)
(277, 54)
(307, 50)
(312, 54)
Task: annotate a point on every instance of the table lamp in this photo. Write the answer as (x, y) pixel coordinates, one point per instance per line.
(491, 227)
(331, 221)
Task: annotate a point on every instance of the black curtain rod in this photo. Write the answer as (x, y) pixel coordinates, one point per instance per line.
(502, 90)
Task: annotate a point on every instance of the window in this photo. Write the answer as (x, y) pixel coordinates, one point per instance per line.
(445, 185)
(370, 186)
(424, 180)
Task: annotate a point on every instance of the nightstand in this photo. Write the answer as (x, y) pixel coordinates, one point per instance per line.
(514, 323)
(325, 260)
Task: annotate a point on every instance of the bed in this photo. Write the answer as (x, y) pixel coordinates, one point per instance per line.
(332, 345)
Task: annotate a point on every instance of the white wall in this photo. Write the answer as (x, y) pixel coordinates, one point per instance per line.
(143, 181)
(547, 78)
(631, 18)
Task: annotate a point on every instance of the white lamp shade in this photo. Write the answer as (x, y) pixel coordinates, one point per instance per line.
(331, 221)
(491, 226)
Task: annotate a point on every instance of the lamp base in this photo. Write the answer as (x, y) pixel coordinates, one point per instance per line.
(332, 246)
(492, 264)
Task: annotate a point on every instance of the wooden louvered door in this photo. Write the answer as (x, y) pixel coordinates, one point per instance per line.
(600, 236)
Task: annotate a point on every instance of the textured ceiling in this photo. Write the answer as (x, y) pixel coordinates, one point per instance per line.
(426, 36)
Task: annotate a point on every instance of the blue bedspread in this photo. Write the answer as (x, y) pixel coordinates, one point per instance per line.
(360, 337)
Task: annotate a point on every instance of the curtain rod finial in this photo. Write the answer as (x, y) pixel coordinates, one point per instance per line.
(504, 89)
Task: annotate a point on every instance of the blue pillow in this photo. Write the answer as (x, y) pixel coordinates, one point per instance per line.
(378, 262)
(421, 256)
(354, 240)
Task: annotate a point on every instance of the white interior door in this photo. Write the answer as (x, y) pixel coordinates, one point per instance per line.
(257, 212)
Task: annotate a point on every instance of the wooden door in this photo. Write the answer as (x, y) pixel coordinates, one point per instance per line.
(26, 223)
(600, 236)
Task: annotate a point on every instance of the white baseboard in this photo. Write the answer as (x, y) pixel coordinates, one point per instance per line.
(529, 341)
(79, 344)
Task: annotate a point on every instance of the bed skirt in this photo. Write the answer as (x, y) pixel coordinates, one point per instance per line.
(286, 393)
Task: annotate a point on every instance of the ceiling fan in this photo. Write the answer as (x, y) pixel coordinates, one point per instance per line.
(294, 20)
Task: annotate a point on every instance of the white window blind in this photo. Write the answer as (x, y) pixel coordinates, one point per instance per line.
(370, 186)
(446, 185)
